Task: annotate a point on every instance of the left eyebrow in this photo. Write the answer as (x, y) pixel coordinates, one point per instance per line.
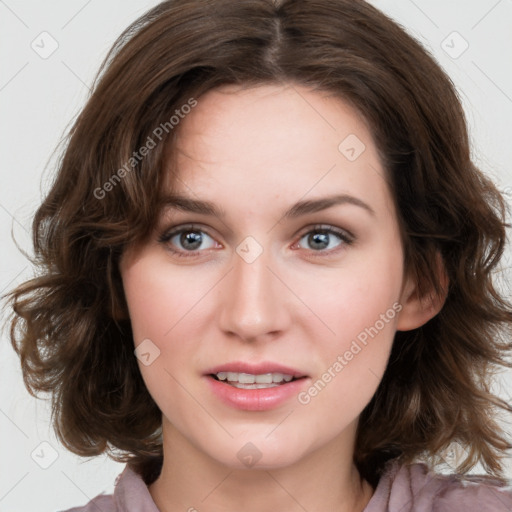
(189, 204)
(316, 205)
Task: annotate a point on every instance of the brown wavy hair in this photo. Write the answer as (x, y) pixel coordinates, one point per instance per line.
(70, 324)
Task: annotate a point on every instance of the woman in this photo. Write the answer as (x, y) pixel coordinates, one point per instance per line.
(334, 320)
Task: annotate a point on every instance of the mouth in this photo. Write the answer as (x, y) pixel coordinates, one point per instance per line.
(254, 381)
(255, 387)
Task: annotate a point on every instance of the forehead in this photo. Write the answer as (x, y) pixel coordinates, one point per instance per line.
(269, 119)
(275, 142)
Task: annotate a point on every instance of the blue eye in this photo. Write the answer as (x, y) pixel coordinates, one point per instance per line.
(190, 240)
(325, 238)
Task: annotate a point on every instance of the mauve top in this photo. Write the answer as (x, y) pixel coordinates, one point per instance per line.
(401, 488)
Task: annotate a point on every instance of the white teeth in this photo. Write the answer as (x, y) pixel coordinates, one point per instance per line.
(265, 378)
(246, 378)
(249, 378)
(253, 386)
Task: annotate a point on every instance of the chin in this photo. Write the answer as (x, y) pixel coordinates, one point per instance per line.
(260, 451)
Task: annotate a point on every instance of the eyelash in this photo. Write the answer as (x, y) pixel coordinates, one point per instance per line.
(344, 236)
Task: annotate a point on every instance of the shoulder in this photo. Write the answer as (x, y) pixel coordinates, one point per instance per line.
(416, 488)
(130, 494)
(103, 502)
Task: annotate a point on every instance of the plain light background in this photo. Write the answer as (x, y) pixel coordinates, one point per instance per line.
(41, 94)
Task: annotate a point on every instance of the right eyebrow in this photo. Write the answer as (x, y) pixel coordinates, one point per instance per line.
(188, 204)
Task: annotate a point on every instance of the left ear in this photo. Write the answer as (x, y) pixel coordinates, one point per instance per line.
(418, 310)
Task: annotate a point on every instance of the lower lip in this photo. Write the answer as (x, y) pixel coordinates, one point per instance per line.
(255, 399)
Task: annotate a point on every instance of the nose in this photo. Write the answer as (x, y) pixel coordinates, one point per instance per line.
(254, 302)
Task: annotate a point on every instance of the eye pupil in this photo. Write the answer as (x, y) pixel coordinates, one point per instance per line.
(194, 237)
(320, 238)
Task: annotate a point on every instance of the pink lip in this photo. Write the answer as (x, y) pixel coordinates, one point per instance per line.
(255, 399)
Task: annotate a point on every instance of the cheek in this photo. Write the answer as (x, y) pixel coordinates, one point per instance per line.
(160, 300)
(165, 307)
(361, 309)
(352, 367)
(158, 315)
(354, 299)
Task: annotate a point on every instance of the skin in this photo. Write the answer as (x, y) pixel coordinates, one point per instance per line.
(256, 152)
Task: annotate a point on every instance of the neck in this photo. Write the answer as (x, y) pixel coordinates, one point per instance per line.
(325, 479)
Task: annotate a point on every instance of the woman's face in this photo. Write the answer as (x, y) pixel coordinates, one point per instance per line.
(298, 273)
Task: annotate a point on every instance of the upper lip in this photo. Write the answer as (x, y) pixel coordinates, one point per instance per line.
(255, 369)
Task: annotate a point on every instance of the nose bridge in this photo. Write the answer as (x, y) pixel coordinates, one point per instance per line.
(252, 305)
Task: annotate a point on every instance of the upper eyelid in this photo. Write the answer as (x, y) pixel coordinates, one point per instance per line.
(340, 232)
(185, 227)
